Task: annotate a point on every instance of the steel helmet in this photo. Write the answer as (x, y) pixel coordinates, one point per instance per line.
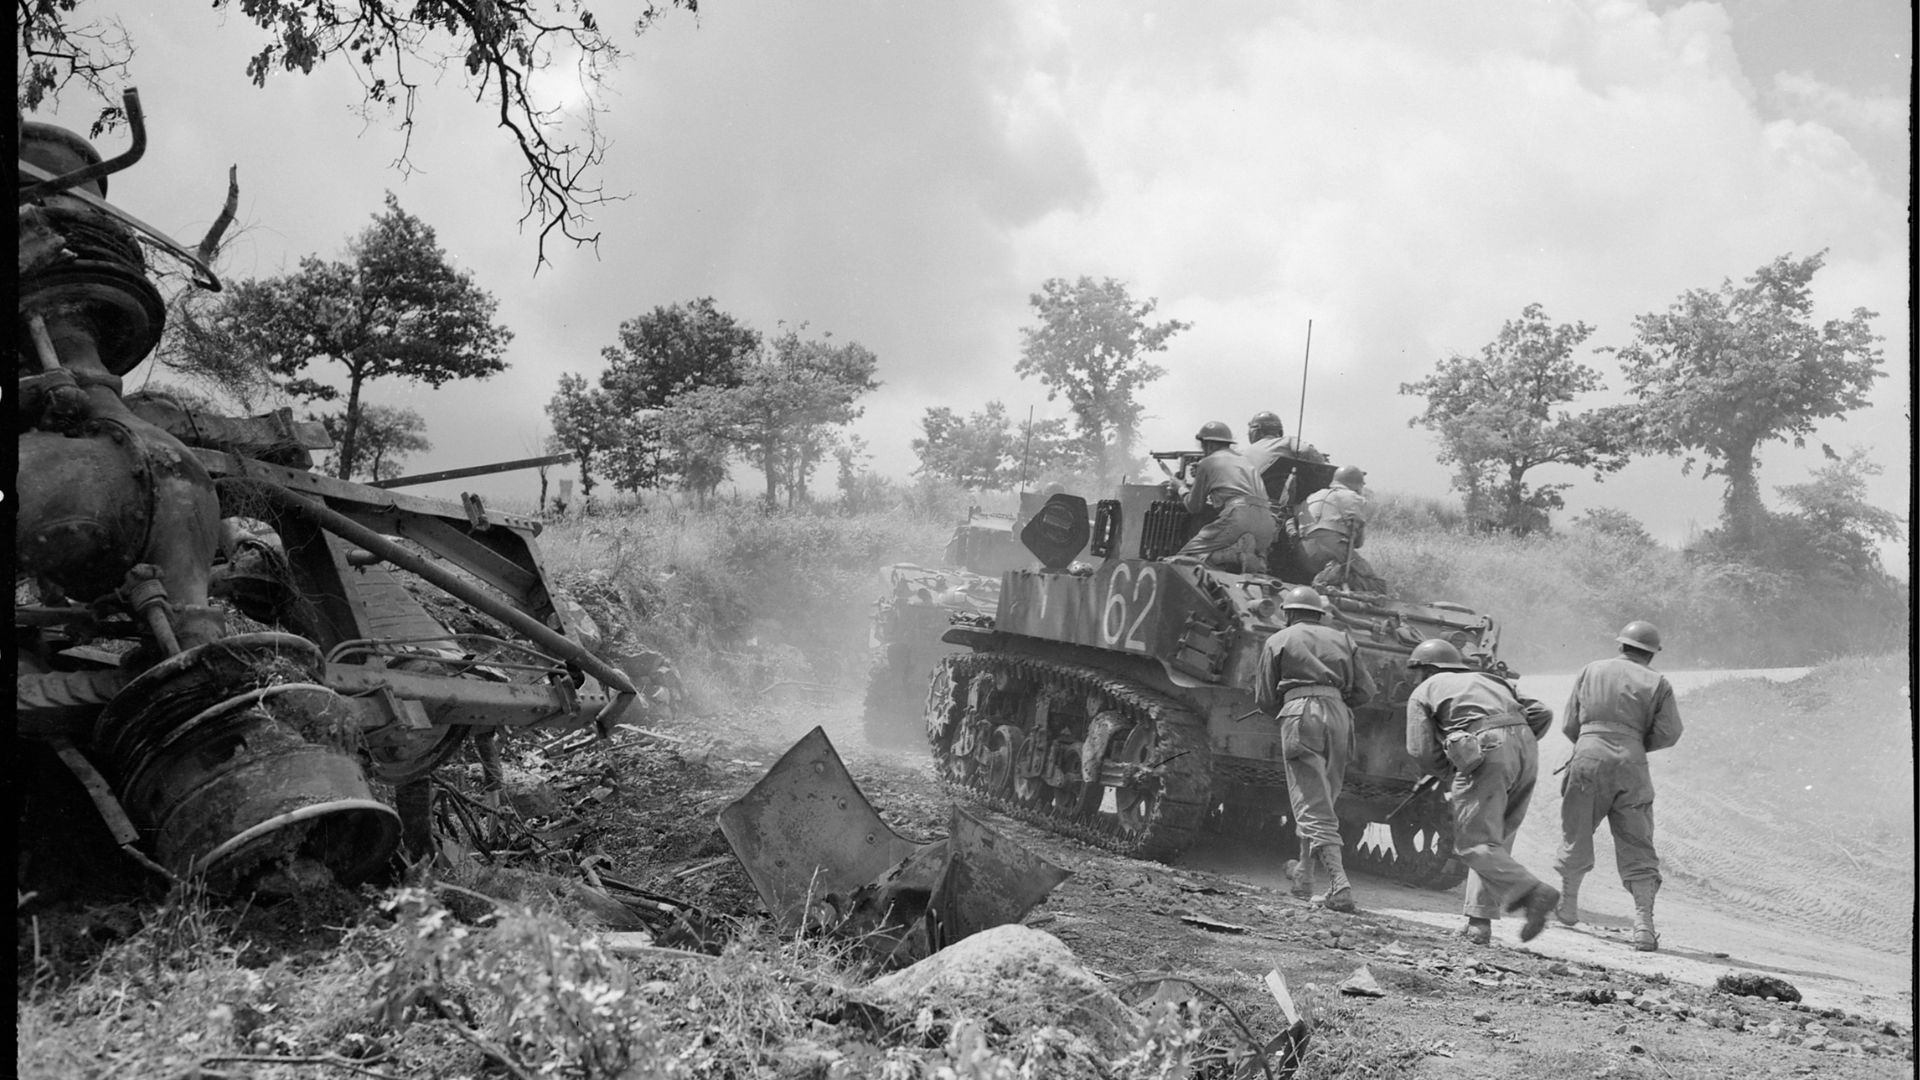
(1214, 431)
(1437, 653)
(1265, 425)
(1640, 635)
(1302, 598)
(1350, 475)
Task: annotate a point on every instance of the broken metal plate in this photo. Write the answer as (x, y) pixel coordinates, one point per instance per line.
(819, 855)
(807, 836)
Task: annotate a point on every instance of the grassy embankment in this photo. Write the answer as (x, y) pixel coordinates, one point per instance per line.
(741, 599)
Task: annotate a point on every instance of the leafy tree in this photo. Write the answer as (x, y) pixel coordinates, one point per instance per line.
(1722, 373)
(1842, 524)
(501, 45)
(779, 417)
(984, 451)
(1497, 419)
(971, 451)
(394, 308)
(660, 355)
(583, 425)
(1091, 346)
(387, 435)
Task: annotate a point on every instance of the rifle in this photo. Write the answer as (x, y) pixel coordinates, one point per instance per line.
(1427, 783)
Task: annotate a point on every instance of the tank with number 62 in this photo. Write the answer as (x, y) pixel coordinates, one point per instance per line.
(1111, 699)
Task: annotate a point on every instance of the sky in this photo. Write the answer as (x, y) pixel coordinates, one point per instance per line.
(1405, 174)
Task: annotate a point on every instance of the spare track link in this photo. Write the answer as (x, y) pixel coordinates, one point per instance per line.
(1430, 819)
(1177, 811)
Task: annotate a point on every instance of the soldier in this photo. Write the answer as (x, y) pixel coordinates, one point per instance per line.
(1267, 440)
(1333, 530)
(1309, 673)
(1475, 727)
(1237, 539)
(1620, 711)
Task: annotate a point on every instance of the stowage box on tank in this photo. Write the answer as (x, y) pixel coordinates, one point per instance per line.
(1114, 700)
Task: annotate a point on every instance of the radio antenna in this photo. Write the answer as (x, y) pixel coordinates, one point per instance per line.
(1300, 424)
(1025, 453)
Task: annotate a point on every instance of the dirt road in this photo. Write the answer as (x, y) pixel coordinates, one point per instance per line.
(1731, 901)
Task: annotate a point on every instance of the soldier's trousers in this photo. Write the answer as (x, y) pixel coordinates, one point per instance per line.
(1488, 806)
(1218, 540)
(1607, 782)
(1316, 738)
(1327, 556)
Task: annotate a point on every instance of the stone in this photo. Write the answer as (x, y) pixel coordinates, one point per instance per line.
(1023, 978)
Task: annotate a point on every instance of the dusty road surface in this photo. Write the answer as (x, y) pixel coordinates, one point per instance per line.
(1733, 899)
(1745, 892)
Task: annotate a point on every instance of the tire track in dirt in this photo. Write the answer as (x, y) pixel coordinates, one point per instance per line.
(1746, 858)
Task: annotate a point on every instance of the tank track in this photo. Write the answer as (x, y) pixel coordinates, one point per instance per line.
(1421, 853)
(1174, 811)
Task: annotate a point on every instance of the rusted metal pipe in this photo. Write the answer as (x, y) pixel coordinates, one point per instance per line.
(136, 121)
(543, 635)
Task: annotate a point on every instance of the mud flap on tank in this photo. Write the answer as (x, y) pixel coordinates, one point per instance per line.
(822, 859)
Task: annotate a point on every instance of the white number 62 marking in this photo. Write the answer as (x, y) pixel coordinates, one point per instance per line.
(1115, 629)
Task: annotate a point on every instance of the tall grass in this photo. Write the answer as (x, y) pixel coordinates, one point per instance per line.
(741, 597)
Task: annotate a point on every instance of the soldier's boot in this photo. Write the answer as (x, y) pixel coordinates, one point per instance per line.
(1535, 904)
(1339, 892)
(1645, 937)
(1300, 874)
(1569, 910)
(1478, 931)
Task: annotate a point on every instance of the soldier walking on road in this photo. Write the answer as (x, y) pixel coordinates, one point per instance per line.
(1620, 711)
(1474, 726)
(1238, 538)
(1310, 674)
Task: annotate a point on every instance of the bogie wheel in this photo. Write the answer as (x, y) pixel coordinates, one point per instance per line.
(1003, 750)
(1423, 853)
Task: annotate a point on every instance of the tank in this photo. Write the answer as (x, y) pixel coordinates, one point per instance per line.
(231, 653)
(1111, 697)
(916, 609)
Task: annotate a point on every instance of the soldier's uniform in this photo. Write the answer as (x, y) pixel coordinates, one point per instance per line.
(1335, 525)
(1310, 672)
(1489, 802)
(1618, 712)
(1238, 538)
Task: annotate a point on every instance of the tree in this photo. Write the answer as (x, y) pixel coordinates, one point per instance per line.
(1091, 346)
(394, 308)
(1721, 373)
(1842, 524)
(659, 356)
(582, 425)
(790, 395)
(971, 451)
(501, 44)
(386, 436)
(984, 451)
(1495, 415)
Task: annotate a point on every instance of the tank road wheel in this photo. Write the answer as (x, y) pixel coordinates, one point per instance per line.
(1004, 744)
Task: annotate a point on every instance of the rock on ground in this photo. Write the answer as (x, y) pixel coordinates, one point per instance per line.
(1025, 979)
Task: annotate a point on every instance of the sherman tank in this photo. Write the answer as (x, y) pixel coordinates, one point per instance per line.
(229, 655)
(919, 604)
(1111, 697)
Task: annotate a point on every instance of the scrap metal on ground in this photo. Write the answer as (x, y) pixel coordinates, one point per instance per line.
(821, 858)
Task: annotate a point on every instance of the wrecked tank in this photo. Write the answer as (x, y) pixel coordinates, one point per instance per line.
(229, 651)
(1112, 699)
(919, 604)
